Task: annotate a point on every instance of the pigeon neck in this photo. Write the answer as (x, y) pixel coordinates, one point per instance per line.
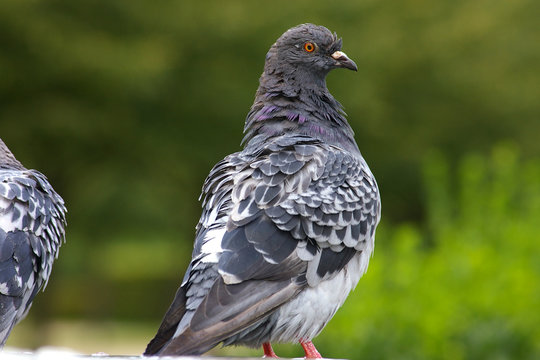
(283, 109)
(7, 159)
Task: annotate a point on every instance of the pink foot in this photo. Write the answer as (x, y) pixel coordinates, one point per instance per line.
(268, 351)
(310, 350)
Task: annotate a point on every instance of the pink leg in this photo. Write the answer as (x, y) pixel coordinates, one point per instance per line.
(268, 351)
(310, 350)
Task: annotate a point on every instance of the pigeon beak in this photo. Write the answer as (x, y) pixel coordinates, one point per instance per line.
(342, 60)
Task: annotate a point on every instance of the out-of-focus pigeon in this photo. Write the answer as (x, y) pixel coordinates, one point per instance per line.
(288, 223)
(32, 220)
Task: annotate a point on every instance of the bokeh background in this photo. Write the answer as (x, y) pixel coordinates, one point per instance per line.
(126, 106)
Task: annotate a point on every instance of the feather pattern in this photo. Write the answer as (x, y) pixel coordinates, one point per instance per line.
(32, 221)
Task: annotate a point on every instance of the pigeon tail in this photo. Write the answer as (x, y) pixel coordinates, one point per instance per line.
(226, 311)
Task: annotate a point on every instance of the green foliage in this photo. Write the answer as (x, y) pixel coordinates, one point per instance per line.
(464, 288)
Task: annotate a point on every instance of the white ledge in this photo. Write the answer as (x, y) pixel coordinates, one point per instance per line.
(50, 353)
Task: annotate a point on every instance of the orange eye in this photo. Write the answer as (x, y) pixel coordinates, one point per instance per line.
(309, 47)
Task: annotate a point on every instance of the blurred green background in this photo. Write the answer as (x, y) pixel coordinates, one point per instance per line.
(126, 106)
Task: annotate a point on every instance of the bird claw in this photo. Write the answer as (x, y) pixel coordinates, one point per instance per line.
(268, 351)
(310, 350)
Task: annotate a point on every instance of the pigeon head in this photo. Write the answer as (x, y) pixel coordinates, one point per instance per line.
(305, 54)
(292, 96)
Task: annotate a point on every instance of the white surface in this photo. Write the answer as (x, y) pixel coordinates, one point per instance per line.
(51, 353)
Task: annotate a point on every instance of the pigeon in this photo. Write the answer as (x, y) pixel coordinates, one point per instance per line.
(32, 222)
(288, 223)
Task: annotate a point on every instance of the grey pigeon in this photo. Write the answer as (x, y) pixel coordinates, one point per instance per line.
(32, 220)
(288, 223)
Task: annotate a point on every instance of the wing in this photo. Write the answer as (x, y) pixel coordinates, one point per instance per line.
(18, 272)
(32, 219)
(325, 199)
(275, 220)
